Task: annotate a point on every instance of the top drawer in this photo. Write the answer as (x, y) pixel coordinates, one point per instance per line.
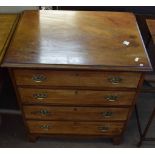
(76, 78)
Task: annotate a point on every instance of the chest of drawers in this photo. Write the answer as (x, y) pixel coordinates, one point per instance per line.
(77, 73)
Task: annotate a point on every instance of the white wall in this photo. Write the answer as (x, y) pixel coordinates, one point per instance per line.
(16, 9)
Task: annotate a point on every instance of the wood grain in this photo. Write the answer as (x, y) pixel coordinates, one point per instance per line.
(76, 78)
(150, 77)
(75, 113)
(78, 39)
(79, 128)
(70, 68)
(7, 26)
(75, 97)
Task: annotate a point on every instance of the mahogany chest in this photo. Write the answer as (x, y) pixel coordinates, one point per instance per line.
(77, 73)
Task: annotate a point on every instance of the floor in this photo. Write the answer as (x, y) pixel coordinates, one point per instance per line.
(12, 132)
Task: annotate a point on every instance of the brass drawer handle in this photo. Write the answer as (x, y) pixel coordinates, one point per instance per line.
(111, 98)
(115, 79)
(103, 129)
(45, 126)
(40, 96)
(107, 114)
(42, 112)
(39, 78)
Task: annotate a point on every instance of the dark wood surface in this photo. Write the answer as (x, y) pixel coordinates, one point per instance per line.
(75, 97)
(150, 77)
(100, 79)
(75, 113)
(7, 26)
(79, 128)
(70, 39)
(57, 63)
(151, 26)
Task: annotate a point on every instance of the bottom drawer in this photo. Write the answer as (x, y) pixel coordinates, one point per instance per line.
(77, 128)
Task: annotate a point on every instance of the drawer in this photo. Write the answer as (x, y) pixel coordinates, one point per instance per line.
(76, 78)
(79, 128)
(75, 97)
(75, 113)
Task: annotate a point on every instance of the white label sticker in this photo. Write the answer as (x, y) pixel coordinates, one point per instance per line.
(126, 43)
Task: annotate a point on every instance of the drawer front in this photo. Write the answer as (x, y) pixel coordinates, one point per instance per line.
(75, 97)
(75, 113)
(76, 78)
(79, 128)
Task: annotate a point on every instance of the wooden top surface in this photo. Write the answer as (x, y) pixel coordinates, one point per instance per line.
(7, 25)
(151, 25)
(78, 39)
